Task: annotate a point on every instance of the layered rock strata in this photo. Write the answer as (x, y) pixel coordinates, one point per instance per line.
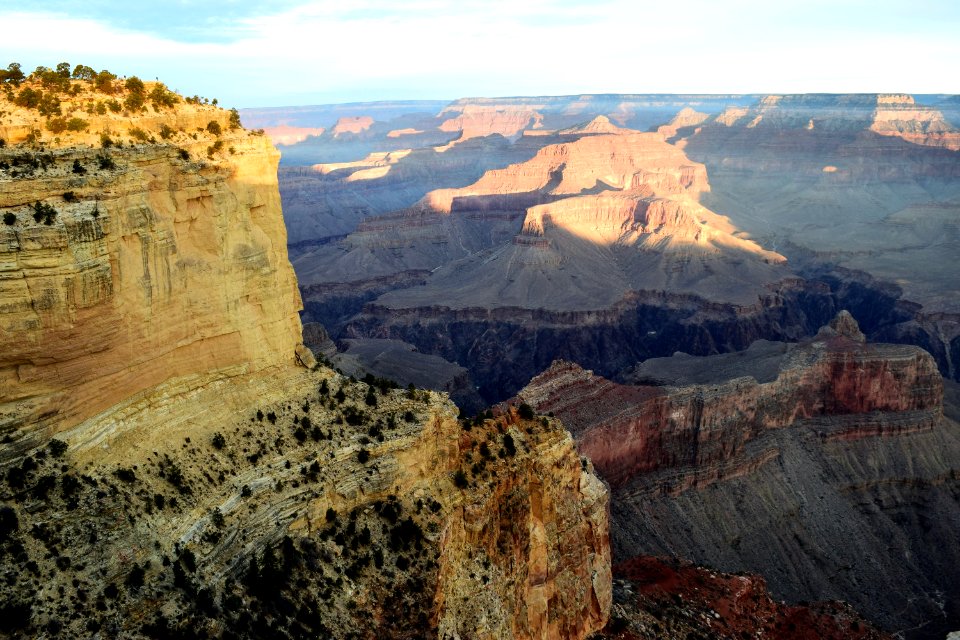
(314, 511)
(848, 389)
(206, 480)
(152, 260)
(817, 465)
(666, 599)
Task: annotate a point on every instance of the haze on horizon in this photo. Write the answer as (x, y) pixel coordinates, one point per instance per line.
(289, 52)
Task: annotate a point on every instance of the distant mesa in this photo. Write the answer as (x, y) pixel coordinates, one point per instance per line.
(287, 135)
(351, 124)
(409, 131)
(895, 115)
(620, 161)
(483, 120)
(687, 117)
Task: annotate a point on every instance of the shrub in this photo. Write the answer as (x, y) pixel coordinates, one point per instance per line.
(235, 119)
(57, 125)
(78, 168)
(525, 411)
(44, 212)
(69, 196)
(105, 162)
(509, 445)
(219, 442)
(134, 85)
(216, 147)
(9, 523)
(134, 102)
(104, 82)
(163, 97)
(166, 131)
(57, 448)
(214, 127)
(184, 154)
(9, 218)
(139, 134)
(460, 479)
(49, 105)
(362, 456)
(83, 72)
(127, 475)
(77, 124)
(135, 577)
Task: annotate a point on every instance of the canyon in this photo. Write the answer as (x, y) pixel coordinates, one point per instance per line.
(827, 466)
(802, 205)
(174, 460)
(702, 348)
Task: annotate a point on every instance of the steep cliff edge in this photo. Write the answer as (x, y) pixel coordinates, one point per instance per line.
(827, 466)
(328, 508)
(158, 253)
(201, 484)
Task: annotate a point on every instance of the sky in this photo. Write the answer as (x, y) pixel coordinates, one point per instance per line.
(290, 52)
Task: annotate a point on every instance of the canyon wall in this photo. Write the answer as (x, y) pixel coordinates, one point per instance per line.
(169, 469)
(826, 466)
(160, 260)
(322, 507)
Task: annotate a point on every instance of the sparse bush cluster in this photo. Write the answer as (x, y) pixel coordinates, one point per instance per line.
(290, 587)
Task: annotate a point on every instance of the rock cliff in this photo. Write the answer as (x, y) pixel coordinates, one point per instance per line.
(847, 388)
(205, 478)
(158, 253)
(667, 599)
(327, 508)
(818, 465)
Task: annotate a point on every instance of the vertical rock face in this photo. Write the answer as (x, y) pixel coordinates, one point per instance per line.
(148, 317)
(706, 428)
(827, 466)
(159, 261)
(540, 522)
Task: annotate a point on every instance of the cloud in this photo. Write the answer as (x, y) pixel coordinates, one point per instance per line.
(368, 49)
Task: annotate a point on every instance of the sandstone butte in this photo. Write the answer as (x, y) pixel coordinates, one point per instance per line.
(351, 124)
(600, 216)
(205, 476)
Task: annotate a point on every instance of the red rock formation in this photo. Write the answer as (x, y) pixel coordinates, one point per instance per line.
(666, 599)
(632, 430)
(594, 162)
